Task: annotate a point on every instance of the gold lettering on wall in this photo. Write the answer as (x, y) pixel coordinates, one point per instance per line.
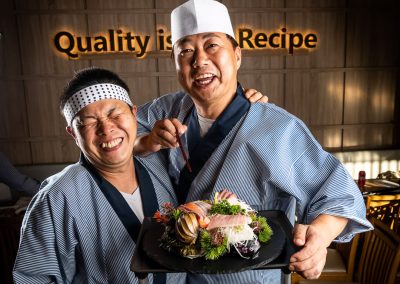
(112, 41)
(281, 39)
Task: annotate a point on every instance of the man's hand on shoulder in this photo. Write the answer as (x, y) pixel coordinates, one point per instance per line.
(255, 96)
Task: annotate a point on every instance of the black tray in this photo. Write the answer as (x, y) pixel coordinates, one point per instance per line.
(150, 231)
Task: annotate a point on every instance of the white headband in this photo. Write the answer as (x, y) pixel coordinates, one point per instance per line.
(93, 94)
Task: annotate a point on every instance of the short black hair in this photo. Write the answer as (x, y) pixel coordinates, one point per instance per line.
(88, 77)
(233, 41)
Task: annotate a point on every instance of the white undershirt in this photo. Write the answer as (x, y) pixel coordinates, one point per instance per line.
(205, 124)
(135, 203)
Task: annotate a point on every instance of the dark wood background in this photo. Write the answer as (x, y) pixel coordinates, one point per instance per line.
(346, 91)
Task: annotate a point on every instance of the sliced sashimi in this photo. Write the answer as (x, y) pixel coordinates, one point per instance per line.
(227, 195)
(200, 208)
(218, 220)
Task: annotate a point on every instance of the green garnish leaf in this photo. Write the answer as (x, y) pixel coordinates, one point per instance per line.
(176, 213)
(264, 230)
(212, 252)
(225, 208)
(265, 234)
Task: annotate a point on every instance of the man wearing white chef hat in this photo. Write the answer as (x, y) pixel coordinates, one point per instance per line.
(265, 155)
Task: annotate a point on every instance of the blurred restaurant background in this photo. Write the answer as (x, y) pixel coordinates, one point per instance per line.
(346, 88)
(333, 63)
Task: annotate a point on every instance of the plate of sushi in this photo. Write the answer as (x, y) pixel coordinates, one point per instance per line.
(222, 235)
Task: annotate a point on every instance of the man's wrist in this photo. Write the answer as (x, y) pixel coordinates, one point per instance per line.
(330, 226)
(141, 148)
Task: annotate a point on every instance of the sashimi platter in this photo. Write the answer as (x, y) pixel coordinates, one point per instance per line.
(211, 229)
(222, 235)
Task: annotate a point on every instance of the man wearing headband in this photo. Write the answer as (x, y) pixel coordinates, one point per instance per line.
(265, 155)
(83, 224)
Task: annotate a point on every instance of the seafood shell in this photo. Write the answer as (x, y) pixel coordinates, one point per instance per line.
(186, 228)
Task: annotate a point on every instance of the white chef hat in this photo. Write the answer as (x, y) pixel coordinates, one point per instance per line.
(200, 16)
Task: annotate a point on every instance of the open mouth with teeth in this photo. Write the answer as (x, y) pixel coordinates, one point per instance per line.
(111, 144)
(204, 79)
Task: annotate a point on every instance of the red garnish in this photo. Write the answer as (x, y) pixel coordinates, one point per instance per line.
(160, 217)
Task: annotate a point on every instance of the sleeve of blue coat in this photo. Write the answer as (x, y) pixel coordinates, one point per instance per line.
(164, 107)
(46, 254)
(324, 186)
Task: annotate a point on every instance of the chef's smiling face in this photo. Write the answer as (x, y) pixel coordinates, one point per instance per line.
(105, 131)
(206, 66)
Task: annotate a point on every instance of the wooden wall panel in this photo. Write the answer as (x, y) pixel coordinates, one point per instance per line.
(13, 114)
(261, 62)
(18, 152)
(253, 4)
(163, 21)
(271, 85)
(119, 4)
(142, 89)
(316, 98)
(137, 24)
(329, 138)
(373, 4)
(325, 18)
(10, 62)
(316, 4)
(169, 85)
(12, 101)
(242, 17)
(346, 90)
(166, 64)
(372, 36)
(297, 88)
(43, 108)
(49, 5)
(330, 29)
(370, 97)
(37, 31)
(13, 127)
(6, 6)
(37, 45)
(59, 151)
(170, 5)
(361, 137)
(257, 21)
(326, 100)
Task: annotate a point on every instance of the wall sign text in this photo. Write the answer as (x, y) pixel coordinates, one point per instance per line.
(73, 46)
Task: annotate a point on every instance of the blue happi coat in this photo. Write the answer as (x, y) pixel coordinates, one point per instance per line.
(79, 228)
(267, 157)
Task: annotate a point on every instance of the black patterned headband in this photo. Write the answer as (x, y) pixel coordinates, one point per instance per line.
(93, 94)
